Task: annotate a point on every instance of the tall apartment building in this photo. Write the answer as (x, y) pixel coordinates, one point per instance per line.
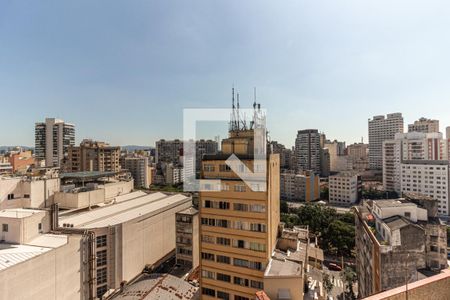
(395, 240)
(187, 242)
(139, 169)
(345, 188)
(299, 187)
(308, 151)
(336, 150)
(93, 156)
(429, 178)
(424, 125)
(168, 151)
(382, 128)
(358, 154)
(52, 140)
(409, 146)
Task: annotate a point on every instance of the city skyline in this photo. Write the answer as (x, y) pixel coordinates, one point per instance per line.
(121, 71)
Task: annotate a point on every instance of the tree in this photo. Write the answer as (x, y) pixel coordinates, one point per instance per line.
(284, 207)
(327, 283)
(349, 278)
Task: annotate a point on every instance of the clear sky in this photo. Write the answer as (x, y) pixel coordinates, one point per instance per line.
(123, 71)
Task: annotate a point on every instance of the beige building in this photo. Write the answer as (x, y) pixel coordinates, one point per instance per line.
(424, 125)
(358, 155)
(139, 170)
(93, 156)
(299, 187)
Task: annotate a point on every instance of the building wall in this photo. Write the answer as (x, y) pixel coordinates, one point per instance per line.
(147, 240)
(293, 284)
(52, 275)
(79, 200)
(28, 193)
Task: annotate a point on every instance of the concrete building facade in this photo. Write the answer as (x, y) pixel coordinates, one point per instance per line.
(187, 238)
(395, 239)
(424, 125)
(299, 187)
(52, 140)
(308, 150)
(139, 168)
(93, 156)
(382, 128)
(345, 188)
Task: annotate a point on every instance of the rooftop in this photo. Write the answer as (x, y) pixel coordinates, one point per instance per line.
(157, 286)
(189, 211)
(396, 222)
(283, 268)
(19, 213)
(124, 211)
(12, 254)
(393, 203)
(87, 175)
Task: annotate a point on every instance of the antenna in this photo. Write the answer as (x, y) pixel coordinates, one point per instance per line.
(237, 112)
(254, 97)
(233, 115)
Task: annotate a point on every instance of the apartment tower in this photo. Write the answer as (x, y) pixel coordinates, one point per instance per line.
(308, 151)
(52, 140)
(238, 222)
(93, 156)
(382, 128)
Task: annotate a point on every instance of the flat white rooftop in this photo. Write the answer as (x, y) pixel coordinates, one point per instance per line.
(11, 254)
(123, 211)
(19, 213)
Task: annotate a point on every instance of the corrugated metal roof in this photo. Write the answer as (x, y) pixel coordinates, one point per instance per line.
(124, 211)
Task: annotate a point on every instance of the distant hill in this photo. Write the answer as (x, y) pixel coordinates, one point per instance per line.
(6, 148)
(136, 147)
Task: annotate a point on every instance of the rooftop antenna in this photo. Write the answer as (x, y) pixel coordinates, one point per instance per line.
(233, 115)
(254, 97)
(237, 112)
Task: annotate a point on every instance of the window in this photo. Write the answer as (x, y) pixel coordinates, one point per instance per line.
(208, 168)
(240, 298)
(26, 196)
(207, 239)
(101, 258)
(101, 276)
(223, 259)
(5, 227)
(10, 196)
(223, 277)
(223, 241)
(224, 168)
(100, 291)
(257, 285)
(239, 188)
(101, 241)
(408, 215)
(240, 281)
(207, 274)
(434, 249)
(207, 256)
(240, 262)
(208, 292)
(223, 295)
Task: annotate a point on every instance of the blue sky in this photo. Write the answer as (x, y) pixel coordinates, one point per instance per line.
(123, 71)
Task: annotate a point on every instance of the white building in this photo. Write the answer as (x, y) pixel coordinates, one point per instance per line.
(427, 177)
(27, 192)
(136, 231)
(52, 140)
(344, 188)
(409, 146)
(382, 128)
(35, 264)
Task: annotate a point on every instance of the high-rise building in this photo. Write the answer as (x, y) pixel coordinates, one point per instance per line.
(382, 128)
(395, 240)
(187, 242)
(168, 151)
(52, 140)
(93, 156)
(139, 169)
(308, 150)
(424, 125)
(429, 178)
(409, 146)
(337, 151)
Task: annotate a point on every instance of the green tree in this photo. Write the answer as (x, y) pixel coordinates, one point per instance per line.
(349, 278)
(284, 207)
(327, 283)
